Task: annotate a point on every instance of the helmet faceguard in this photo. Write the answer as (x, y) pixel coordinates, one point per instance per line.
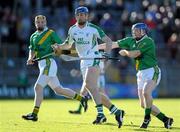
(139, 30)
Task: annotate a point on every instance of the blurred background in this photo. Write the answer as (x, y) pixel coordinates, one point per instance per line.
(115, 17)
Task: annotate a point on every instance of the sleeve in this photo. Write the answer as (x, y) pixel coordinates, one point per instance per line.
(100, 32)
(124, 43)
(69, 39)
(31, 46)
(56, 38)
(145, 46)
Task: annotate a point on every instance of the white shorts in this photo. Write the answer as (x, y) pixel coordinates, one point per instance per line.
(47, 67)
(143, 76)
(101, 79)
(88, 63)
(48, 73)
(44, 80)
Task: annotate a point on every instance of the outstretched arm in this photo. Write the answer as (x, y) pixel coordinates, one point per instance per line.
(108, 42)
(131, 54)
(59, 47)
(64, 46)
(103, 46)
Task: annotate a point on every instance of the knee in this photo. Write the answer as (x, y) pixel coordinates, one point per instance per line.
(88, 85)
(146, 93)
(38, 88)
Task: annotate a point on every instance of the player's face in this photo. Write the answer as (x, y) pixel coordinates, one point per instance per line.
(137, 33)
(81, 18)
(40, 24)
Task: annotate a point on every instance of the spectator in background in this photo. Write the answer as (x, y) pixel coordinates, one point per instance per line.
(72, 21)
(123, 69)
(22, 83)
(119, 6)
(173, 43)
(8, 25)
(150, 20)
(108, 23)
(24, 28)
(177, 25)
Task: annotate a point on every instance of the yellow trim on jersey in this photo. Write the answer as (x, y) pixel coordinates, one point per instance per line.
(45, 37)
(137, 64)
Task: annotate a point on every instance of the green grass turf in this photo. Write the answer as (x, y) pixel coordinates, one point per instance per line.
(54, 116)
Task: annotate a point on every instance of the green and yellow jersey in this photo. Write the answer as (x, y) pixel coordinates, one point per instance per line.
(41, 43)
(146, 45)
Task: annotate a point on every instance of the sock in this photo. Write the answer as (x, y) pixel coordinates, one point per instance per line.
(114, 110)
(77, 97)
(35, 110)
(80, 107)
(162, 117)
(100, 109)
(87, 97)
(147, 113)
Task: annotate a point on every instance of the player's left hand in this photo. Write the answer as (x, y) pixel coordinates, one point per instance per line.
(57, 49)
(106, 56)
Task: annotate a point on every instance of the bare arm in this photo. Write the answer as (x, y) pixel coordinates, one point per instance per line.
(67, 43)
(131, 54)
(31, 54)
(30, 58)
(103, 46)
(58, 48)
(65, 46)
(108, 42)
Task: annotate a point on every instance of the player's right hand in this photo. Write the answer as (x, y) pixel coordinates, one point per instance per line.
(30, 62)
(123, 52)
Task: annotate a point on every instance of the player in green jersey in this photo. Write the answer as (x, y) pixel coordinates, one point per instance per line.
(40, 45)
(142, 49)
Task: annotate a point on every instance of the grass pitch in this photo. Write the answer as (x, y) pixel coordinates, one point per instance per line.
(54, 116)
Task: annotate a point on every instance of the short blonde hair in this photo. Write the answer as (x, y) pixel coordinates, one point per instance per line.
(40, 17)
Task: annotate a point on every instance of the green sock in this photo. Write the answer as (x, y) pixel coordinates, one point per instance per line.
(35, 110)
(77, 97)
(100, 109)
(114, 110)
(147, 111)
(80, 107)
(161, 116)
